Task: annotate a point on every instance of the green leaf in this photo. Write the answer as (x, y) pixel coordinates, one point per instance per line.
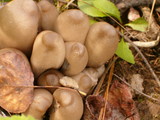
(139, 24)
(98, 8)
(88, 7)
(92, 21)
(108, 8)
(17, 117)
(124, 52)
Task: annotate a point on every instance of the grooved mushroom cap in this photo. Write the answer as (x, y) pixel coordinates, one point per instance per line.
(68, 105)
(49, 15)
(101, 43)
(73, 25)
(50, 78)
(48, 52)
(41, 102)
(76, 58)
(19, 25)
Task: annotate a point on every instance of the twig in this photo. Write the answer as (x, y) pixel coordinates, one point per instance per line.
(143, 57)
(68, 3)
(98, 87)
(150, 17)
(147, 96)
(149, 44)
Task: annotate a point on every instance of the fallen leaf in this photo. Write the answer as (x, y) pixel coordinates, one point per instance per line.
(15, 71)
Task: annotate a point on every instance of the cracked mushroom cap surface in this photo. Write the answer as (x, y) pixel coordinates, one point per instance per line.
(73, 25)
(101, 43)
(48, 52)
(19, 24)
(49, 15)
(76, 58)
(68, 105)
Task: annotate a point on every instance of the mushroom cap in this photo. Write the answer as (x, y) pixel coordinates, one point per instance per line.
(48, 52)
(88, 78)
(49, 15)
(84, 82)
(101, 43)
(76, 58)
(19, 25)
(41, 102)
(50, 78)
(73, 25)
(67, 102)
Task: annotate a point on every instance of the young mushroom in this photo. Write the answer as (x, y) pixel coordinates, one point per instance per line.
(19, 25)
(73, 25)
(41, 102)
(68, 105)
(76, 58)
(49, 15)
(101, 43)
(88, 78)
(50, 78)
(48, 52)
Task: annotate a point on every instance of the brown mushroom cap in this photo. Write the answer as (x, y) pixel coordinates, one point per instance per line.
(101, 43)
(84, 82)
(88, 78)
(50, 78)
(41, 102)
(76, 58)
(49, 15)
(73, 25)
(48, 52)
(68, 105)
(19, 25)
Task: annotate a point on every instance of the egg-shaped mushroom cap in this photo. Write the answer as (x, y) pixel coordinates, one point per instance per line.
(101, 43)
(19, 25)
(73, 25)
(50, 77)
(48, 52)
(41, 102)
(76, 58)
(49, 15)
(68, 105)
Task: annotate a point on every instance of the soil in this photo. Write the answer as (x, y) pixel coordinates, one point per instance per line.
(151, 88)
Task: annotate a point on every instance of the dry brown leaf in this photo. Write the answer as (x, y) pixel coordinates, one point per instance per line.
(15, 71)
(93, 105)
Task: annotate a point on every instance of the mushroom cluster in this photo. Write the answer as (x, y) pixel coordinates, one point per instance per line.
(64, 52)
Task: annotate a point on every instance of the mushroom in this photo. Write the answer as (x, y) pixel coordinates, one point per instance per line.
(50, 78)
(76, 58)
(101, 43)
(19, 25)
(68, 105)
(49, 15)
(41, 102)
(48, 52)
(88, 78)
(73, 25)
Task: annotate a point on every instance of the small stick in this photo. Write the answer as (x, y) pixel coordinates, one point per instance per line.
(143, 57)
(150, 17)
(147, 96)
(98, 87)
